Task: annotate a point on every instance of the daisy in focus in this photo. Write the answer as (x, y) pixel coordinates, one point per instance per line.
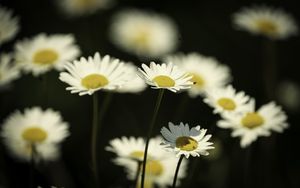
(45, 52)
(135, 84)
(226, 100)
(9, 25)
(262, 20)
(143, 33)
(253, 123)
(182, 140)
(82, 7)
(35, 129)
(160, 165)
(87, 76)
(207, 73)
(8, 71)
(165, 76)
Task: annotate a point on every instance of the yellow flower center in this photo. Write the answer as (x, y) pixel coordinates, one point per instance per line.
(141, 38)
(94, 81)
(45, 57)
(267, 27)
(154, 168)
(252, 120)
(186, 143)
(164, 81)
(34, 135)
(137, 155)
(227, 103)
(197, 80)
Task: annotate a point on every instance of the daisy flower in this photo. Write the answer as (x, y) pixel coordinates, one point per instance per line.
(160, 166)
(9, 25)
(45, 52)
(82, 7)
(207, 73)
(43, 130)
(185, 141)
(135, 84)
(87, 76)
(252, 123)
(262, 20)
(143, 33)
(226, 100)
(8, 71)
(128, 148)
(165, 76)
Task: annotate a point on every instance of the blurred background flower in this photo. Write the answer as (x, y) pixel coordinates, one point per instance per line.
(144, 34)
(8, 70)
(270, 22)
(160, 165)
(43, 53)
(34, 131)
(75, 8)
(204, 28)
(9, 25)
(207, 73)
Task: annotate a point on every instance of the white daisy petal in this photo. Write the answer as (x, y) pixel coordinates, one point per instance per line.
(43, 129)
(9, 25)
(8, 70)
(226, 100)
(185, 141)
(160, 77)
(207, 73)
(135, 83)
(251, 124)
(262, 20)
(160, 166)
(95, 73)
(45, 52)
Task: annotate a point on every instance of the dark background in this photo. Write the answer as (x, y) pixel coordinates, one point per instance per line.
(204, 27)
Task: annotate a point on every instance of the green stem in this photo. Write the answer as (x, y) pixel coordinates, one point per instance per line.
(97, 119)
(177, 170)
(157, 105)
(138, 171)
(94, 138)
(32, 166)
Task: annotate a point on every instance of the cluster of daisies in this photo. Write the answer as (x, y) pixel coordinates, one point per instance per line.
(162, 156)
(37, 132)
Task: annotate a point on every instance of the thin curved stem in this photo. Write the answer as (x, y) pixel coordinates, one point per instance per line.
(138, 171)
(177, 170)
(152, 123)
